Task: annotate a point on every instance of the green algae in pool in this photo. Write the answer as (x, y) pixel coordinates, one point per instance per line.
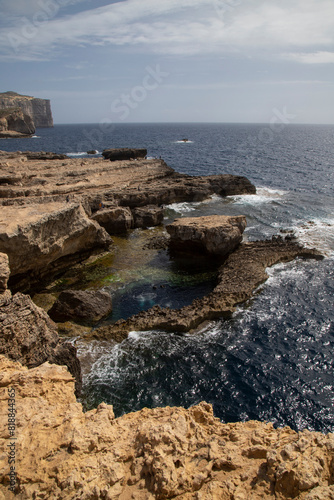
(139, 277)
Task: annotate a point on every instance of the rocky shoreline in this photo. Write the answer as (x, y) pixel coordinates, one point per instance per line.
(55, 212)
(161, 453)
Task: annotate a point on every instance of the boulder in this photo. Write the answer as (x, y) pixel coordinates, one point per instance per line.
(29, 336)
(114, 220)
(35, 237)
(86, 307)
(124, 154)
(213, 234)
(148, 216)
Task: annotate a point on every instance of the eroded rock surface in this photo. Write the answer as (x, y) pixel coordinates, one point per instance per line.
(81, 306)
(54, 209)
(36, 236)
(14, 123)
(213, 234)
(242, 272)
(115, 220)
(148, 216)
(92, 180)
(4, 272)
(28, 335)
(62, 452)
(38, 109)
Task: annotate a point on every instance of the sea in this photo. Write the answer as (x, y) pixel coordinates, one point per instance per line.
(273, 359)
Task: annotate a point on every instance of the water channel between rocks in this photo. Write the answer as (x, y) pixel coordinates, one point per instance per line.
(137, 277)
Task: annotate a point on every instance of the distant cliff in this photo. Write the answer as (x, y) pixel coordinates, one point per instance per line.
(38, 109)
(15, 123)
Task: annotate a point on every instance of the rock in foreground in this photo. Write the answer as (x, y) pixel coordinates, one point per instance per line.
(28, 335)
(82, 306)
(214, 234)
(41, 238)
(160, 453)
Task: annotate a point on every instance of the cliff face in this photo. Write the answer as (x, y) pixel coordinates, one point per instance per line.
(14, 123)
(38, 109)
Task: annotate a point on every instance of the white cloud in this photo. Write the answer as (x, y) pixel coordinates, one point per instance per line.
(320, 57)
(185, 27)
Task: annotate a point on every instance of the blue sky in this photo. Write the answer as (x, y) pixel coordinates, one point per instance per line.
(172, 60)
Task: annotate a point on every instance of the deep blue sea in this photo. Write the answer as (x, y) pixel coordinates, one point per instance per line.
(273, 360)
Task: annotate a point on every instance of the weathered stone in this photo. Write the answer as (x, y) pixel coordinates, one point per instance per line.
(38, 109)
(81, 306)
(92, 180)
(4, 272)
(28, 335)
(148, 216)
(115, 220)
(44, 155)
(215, 234)
(124, 154)
(35, 236)
(13, 122)
(160, 453)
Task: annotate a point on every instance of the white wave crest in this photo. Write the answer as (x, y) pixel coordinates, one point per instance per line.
(317, 233)
(263, 195)
(82, 153)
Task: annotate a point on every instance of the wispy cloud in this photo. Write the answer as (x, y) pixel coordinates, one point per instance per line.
(320, 57)
(184, 27)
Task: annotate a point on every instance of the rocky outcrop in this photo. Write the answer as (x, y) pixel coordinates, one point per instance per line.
(213, 234)
(39, 110)
(61, 452)
(41, 239)
(242, 272)
(82, 306)
(124, 154)
(15, 124)
(28, 335)
(148, 216)
(115, 220)
(46, 201)
(91, 181)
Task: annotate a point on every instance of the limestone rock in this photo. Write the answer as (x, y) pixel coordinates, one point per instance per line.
(214, 234)
(35, 236)
(38, 109)
(115, 220)
(123, 154)
(81, 306)
(13, 122)
(160, 453)
(4, 272)
(44, 155)
(148, 216)
(28, 335)
(91, 180)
